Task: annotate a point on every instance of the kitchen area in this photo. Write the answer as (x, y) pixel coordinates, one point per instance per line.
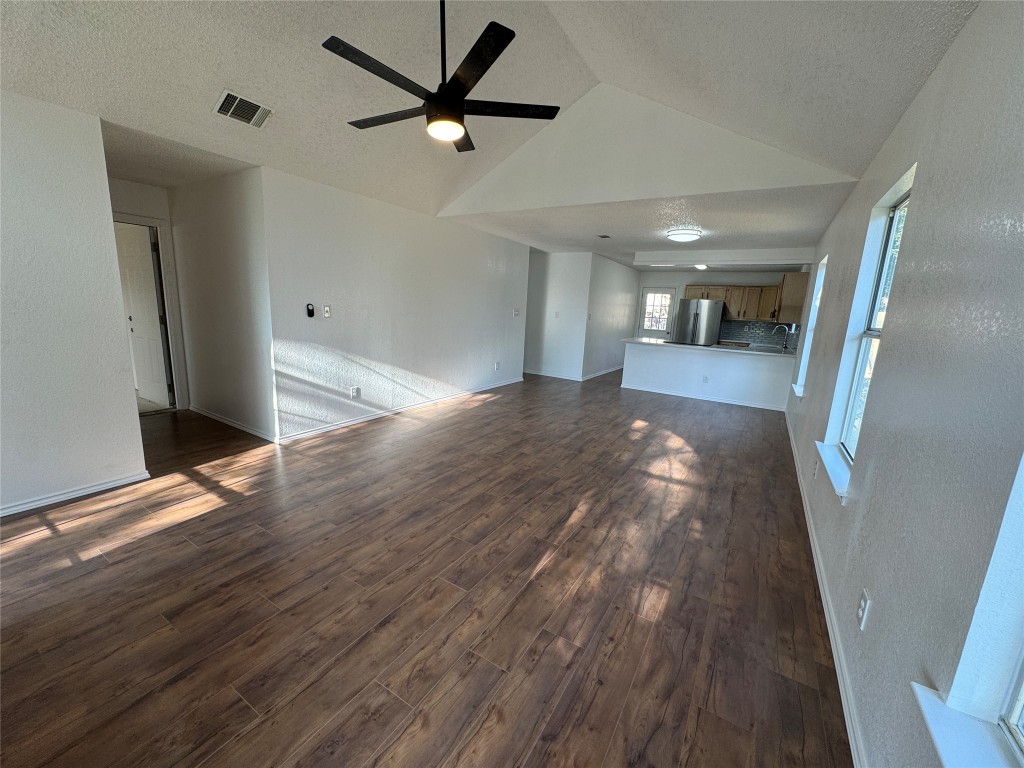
(713, 338)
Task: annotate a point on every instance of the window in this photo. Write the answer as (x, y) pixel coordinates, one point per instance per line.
(656, 310)
(872, 335)
(1013, 722)
(812, 321)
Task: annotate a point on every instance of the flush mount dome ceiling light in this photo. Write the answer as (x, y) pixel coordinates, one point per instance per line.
(683, 234)
(700, 266)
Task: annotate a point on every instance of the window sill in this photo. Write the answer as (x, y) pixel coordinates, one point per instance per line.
(798, 390)
(837, 467)
(961, 740)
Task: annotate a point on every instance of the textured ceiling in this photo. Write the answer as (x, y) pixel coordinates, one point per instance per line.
(147, 159)
(826, 81)
(790, 217)
(821, 81)
(159, 68)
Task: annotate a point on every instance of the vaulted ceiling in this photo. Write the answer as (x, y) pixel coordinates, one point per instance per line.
(749, 119)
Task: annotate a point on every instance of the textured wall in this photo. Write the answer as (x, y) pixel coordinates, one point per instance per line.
(68, 406)
(556, 323)
(611, 315)
(225, 298)
(942, 431)
(139, 199)
(421, 308)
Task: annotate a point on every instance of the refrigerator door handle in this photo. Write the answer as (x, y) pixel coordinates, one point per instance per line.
(693, 333)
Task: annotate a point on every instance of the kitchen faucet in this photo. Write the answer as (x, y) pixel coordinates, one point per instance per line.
(785, 341)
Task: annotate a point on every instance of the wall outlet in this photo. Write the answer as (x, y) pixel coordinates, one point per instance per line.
(556, 314)
(497, 366)
(863, 608)
(707, 379)
(515, 313)
(354, 392)
(327, 310)
(816, 465)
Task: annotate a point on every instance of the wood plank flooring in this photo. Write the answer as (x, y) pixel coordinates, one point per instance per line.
(545, 574)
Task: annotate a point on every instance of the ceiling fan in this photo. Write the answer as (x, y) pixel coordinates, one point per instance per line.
(447, 107)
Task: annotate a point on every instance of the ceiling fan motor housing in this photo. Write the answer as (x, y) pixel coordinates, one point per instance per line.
(439, 108)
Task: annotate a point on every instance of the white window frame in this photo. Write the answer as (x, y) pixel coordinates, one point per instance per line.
(871, 336)
(646, 289)
(834, 459)
(971, 724)
(807, 336)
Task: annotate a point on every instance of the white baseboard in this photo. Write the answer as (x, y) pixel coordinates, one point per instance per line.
(232, 423)
(391, 412)
(602, 373)
(553, 375)
(694, 396)
(845, 690)
(74, 493)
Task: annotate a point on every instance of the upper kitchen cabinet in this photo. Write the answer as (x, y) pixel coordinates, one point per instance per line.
(768, 307)
(751, 303)
(791, 297)
(713, 292)
(733, 302)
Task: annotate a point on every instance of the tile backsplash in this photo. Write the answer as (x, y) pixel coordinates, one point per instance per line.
(756, 332)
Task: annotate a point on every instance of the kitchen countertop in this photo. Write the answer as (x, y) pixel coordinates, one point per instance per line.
(715, 348)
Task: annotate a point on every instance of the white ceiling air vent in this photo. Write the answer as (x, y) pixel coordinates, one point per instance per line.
(243, 110)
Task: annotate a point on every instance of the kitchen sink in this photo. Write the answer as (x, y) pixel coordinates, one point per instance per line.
(766, 348)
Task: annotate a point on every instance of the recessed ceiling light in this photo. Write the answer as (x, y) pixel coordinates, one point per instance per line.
(700, 266)
(683, 234)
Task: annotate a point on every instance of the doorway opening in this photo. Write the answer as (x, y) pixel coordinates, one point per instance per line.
(142, 286)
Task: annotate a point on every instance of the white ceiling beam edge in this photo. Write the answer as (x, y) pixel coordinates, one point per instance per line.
(614, 146)
(742, 258)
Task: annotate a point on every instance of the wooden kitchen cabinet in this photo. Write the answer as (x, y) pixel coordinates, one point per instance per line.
(715, 292)
(751, 303)
(768, 307)
(791, 297)
(694, 292)
(733, 302)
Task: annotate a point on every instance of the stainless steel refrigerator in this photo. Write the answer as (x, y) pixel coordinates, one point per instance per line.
(697, 322)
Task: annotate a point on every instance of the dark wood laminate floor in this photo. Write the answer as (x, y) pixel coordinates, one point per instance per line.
(549, 573)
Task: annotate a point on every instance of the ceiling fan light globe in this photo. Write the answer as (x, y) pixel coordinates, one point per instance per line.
(445, 129)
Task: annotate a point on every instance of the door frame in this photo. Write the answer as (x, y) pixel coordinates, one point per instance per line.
(671, 307)
(168, 277)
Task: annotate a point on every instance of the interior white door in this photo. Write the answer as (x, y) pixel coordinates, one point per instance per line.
(657, 306)
(138, 283)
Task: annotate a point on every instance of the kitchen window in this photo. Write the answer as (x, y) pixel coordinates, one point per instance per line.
(872, 335)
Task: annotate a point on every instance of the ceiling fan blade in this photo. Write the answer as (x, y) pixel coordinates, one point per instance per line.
(510, 109)
(370, 64)
(465, 144)
(485, 51)
(390, 117)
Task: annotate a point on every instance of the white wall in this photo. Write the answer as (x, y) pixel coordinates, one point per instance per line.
(941, 436)
(422, 308)
(611, 315)
(556, 322)
(139, 199)
(218, 227)
(68, 422)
